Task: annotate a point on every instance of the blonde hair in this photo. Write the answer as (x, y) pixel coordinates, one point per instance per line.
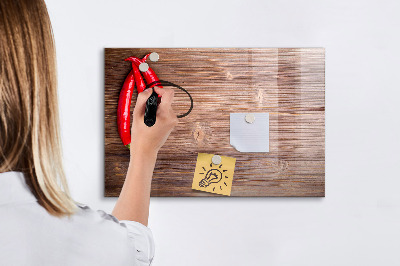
(29, 118)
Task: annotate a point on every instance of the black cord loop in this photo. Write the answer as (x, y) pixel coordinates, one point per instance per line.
(167, 83)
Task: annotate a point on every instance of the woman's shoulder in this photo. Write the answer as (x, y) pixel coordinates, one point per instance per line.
(138, 236)
(86, 213)
(87, 237)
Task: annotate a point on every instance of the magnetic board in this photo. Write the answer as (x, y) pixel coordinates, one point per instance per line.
(287, 83)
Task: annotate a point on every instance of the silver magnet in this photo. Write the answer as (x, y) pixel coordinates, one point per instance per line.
(216, 159)
(250, 118)
(144, 67)
(154, 57)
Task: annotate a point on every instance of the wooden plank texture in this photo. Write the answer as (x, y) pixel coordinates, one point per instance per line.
(289, 83)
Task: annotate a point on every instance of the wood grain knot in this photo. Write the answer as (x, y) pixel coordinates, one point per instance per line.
(282, 165)
(198, 134)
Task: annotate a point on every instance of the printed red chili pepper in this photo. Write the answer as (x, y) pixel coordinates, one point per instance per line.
(140, 85)
(125, 97)
(123, 112)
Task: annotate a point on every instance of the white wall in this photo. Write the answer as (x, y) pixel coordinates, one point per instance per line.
(358, 221)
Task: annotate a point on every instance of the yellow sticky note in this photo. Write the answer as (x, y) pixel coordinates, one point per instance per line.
(214, 178)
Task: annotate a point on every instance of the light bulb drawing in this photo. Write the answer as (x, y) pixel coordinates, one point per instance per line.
(213, 176)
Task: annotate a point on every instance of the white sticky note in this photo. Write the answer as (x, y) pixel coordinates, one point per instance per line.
(249, 137)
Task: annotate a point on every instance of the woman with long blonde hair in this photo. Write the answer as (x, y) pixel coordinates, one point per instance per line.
(40, 224)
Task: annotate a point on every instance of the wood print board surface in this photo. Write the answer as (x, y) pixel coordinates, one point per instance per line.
(288, 83)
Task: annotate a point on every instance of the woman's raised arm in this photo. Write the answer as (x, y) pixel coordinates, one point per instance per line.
(133, 202)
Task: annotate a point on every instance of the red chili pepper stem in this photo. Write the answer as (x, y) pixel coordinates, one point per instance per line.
(150, 77)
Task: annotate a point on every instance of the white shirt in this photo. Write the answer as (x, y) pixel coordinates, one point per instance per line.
(31, 236)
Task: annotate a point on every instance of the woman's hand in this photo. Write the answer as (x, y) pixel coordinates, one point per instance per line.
(150, 139)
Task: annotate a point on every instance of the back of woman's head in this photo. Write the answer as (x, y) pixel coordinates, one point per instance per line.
(29, 119)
